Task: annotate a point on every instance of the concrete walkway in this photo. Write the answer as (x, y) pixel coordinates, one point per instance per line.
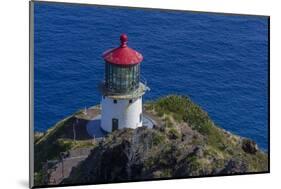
(94, 127)
(62, 169)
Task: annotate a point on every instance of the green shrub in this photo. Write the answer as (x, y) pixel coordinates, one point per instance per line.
(183, 109)
(148, 106)
(216, 138)
(173, 133)
(160, 113)
(38, 178)
(168, 122)
(158, 138)
(193, 163)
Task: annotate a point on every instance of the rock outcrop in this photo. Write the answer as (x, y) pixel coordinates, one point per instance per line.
(249, 146)
(185, 142)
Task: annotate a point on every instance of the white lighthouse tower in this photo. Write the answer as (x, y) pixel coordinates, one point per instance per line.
(122, 90)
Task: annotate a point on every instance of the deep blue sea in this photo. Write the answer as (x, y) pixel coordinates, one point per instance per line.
(220, 61)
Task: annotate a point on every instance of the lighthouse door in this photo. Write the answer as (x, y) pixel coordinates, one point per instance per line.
(114, 124)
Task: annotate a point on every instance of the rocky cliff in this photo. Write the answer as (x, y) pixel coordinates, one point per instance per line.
(185, 142)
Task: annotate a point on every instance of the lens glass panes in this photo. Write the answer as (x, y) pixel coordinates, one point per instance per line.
(122, 79)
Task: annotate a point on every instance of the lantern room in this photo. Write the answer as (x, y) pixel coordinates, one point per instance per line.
(122, 68)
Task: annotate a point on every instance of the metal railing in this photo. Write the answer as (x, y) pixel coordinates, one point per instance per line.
(143, 80)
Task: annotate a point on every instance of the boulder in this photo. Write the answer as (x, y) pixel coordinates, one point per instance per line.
(249, 146)
(234, 166)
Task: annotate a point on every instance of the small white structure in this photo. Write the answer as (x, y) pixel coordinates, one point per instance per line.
(121, 104)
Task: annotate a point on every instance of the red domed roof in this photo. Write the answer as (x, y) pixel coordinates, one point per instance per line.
(123, 55)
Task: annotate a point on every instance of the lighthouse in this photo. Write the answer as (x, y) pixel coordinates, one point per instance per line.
(122, 89)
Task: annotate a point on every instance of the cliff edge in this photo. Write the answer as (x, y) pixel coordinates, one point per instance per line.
(185, 142)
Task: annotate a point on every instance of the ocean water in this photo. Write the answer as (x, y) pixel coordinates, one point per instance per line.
(220, 61)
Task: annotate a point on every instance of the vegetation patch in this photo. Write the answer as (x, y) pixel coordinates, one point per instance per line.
(185, 143)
